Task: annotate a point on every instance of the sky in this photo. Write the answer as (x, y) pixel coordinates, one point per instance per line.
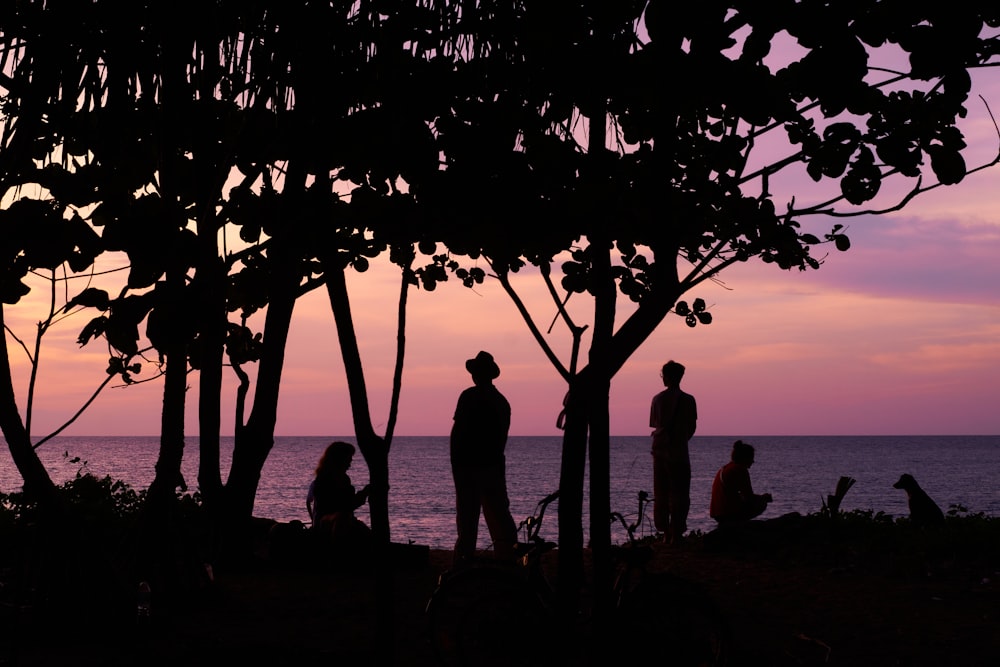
(898, 336)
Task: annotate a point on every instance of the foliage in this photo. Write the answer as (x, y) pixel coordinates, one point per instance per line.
(105, 506)
(711, 112)
(641, 142)
(78, 569)
(966, 546)
(645, 147)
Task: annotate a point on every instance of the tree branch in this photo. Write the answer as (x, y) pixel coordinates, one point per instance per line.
(10, 332)
(397, 372)
(521, 308)
(79, 412)
(546, 271)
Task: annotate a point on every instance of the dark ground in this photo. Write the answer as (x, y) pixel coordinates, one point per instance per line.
(793, 602)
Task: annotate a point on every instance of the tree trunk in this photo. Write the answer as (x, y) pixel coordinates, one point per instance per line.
(587, 413)
(255, 439)
(168, 464)
(210, 292)
(170, 306)
(376, 454)
(158, 547)
(374, 449)
(598, 397)
(571, 476)
(38, 486)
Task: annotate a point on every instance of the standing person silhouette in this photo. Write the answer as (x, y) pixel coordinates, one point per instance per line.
(674, 417)
(478, 462)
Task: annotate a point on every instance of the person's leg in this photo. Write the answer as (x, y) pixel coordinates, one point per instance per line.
(680, 498)
(467, 500)
(661, 493)
(755, 507)
(496, 510)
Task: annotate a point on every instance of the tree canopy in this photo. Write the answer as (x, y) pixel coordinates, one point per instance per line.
(644, 147)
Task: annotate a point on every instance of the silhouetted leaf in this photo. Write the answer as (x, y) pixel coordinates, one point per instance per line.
(948, 165)
(89, 298)
(92, 330)
(863, 180)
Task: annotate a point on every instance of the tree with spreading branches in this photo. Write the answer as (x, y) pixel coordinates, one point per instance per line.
(46, 184)
(649, 147)
(628, 149)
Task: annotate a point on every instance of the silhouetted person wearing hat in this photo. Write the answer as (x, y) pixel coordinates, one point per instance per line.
(478, 463)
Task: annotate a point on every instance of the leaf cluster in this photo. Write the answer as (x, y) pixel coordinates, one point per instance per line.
(697, 98)
(965, 547)
(510, 132)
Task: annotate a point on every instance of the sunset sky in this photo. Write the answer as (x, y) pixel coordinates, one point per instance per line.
(899, 335)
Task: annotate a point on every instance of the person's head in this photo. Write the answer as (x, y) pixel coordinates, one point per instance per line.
(672, 372)
(336, 458)
(483, 368)
(742, 453)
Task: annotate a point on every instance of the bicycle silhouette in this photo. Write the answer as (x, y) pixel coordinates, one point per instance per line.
(496, 613)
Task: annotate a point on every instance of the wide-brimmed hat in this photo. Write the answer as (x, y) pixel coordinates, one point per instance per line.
(483, 364)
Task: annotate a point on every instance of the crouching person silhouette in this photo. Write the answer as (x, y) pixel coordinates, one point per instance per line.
(332, 500)
(733, 499)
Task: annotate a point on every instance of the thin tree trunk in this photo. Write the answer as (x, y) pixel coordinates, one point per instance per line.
(374, 449)
(598, 397)
(605, 291)
(170, 306)
(376, 454)
(255, 439)
(38, 486)
(210, 292)
(158, 537)
(571, 475)
(168, 464)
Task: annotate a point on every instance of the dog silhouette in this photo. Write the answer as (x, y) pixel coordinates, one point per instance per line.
(923, 510)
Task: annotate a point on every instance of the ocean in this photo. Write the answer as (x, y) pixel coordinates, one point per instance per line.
(799, 471)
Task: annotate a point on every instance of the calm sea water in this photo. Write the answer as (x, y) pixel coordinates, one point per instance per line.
(797, 471)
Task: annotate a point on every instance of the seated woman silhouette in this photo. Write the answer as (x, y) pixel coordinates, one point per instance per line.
(332, 499)
(733, 499)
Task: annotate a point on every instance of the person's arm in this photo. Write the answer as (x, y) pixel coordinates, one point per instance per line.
(505, 417)
(464, 410)
(750, 498)
(361, 497)
(310, 501)
(738, 480)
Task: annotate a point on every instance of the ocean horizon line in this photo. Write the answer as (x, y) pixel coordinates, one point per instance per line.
(797, 470)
